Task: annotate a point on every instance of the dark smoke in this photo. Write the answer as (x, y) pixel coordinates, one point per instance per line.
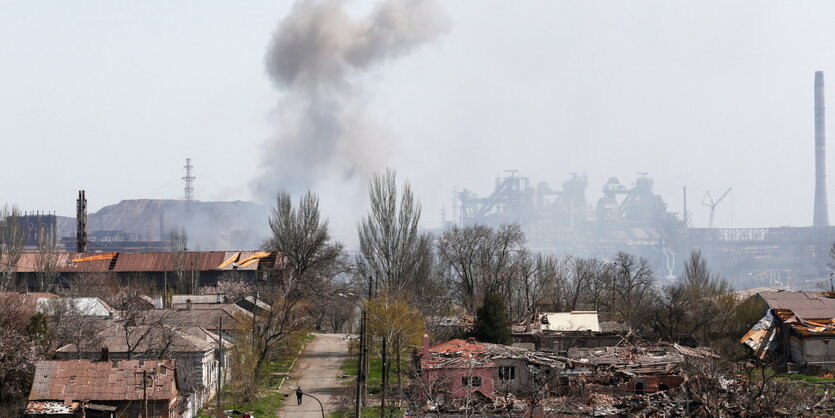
(317, 59)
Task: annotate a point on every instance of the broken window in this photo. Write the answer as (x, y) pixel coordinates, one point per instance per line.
(507, 373)
(471, 381)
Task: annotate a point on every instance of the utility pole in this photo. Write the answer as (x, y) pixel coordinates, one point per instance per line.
(385, 381)
(358, 406)
(365, 337)
(145, 373)
(145, 392)
(219, 359)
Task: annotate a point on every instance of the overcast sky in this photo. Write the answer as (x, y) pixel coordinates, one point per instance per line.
(112, 97)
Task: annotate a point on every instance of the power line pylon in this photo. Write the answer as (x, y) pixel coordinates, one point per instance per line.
(189, 189)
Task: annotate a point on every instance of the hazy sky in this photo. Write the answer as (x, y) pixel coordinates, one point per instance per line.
(113, 96)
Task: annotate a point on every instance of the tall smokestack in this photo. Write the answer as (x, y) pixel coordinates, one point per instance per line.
(821, 207)
(81, 223)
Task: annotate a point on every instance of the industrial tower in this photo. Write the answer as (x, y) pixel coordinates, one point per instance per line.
(821, 217)
(189, 189)
(81, 223)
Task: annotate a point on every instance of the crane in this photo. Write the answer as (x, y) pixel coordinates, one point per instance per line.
(709, 202)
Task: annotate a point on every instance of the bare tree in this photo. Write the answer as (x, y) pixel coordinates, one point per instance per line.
(46, 262)
(188, 279)
(71, 323)
(476, 258)
(272, 330)
(11, 245)
(632, 287)
(301, 237)
(389, 239)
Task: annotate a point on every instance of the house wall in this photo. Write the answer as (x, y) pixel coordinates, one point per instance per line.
(449, 381)
(523, 379)
(816, 351)
(156, 409)
(654, 383)
(561, 343)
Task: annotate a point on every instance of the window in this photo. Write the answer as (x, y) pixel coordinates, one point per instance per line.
(471, 381)
(507, 373)
(640, 386)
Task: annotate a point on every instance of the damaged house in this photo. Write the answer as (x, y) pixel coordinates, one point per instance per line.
(84, 388)
(196, 351)
(797, 328)
(463, 374)
(559, 331)
(460, 370)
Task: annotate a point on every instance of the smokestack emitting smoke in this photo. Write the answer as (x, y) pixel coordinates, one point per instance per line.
(317, 59)
(821, 217)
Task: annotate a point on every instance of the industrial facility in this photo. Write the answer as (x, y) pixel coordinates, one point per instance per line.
(634, 219)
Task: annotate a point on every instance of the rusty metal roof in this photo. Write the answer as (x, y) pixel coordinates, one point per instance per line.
(28, 263)
(806, 305)
(150, 261)
(76, 380)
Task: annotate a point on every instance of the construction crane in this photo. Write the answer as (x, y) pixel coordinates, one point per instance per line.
(709, 202)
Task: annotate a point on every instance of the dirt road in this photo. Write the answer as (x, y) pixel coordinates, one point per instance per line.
(317, 372)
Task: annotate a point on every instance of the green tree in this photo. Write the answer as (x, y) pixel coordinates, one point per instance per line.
(492, 324)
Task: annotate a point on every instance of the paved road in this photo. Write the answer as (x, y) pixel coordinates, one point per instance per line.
(317, 371)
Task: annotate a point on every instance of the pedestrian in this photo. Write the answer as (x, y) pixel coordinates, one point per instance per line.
(299, 395)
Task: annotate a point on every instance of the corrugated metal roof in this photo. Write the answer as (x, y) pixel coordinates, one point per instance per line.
(28, 263)
(806, 305)
(102, 380)
(146, 262)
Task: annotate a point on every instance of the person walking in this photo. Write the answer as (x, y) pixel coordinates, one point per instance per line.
(299, 395)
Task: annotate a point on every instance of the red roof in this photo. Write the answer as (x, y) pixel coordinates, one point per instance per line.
(77, 380)
(459, 347)
(457, 354)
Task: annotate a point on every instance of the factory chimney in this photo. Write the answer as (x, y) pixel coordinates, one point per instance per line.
(81, 223)
(821, 217)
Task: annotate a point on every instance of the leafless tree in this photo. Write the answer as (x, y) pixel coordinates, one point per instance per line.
(11, 245)
(389, 240)
(91, 283)
(71, 323)
(477, 258)
(632, 287)
(301, 237)
(46, 262)
(188, 278)
(17, 366)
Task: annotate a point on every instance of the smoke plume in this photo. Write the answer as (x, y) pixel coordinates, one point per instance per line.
(319, 58)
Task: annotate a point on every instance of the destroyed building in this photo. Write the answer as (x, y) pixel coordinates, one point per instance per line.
(458, 369)
(559, 331)
(797, 328)
(457, 374)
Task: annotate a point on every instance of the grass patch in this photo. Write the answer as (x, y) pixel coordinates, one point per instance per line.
(264, 405)
(806, 378)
